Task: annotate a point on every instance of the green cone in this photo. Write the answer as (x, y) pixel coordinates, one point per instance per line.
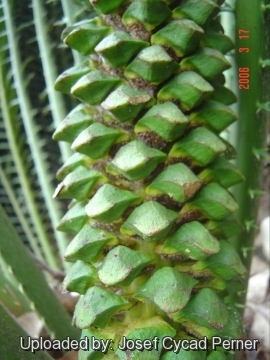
(151, 217)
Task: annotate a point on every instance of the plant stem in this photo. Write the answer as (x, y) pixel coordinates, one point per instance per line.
(251, 126)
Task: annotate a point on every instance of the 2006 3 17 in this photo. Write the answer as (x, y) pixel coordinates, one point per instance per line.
(243, 78)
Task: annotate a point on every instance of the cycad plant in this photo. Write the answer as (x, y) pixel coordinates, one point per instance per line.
(157, 239)
(151, 212)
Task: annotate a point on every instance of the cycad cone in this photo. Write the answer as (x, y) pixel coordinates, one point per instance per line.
(151, 212)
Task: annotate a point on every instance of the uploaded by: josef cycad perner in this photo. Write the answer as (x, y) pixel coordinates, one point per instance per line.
(154, 344)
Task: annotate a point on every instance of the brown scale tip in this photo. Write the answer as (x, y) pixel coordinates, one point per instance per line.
(173, 257)
(107, 249)
(138, 31)
(147, 269)
(192, 215)
(200, 275)
(191, 189)
(115, 21)
(143, 85)
(172, 53)
(110, 227)
(154, 174)
(127, 213)
(116, 72)
(168, 202)
(178, 160)
(127, 126)
(114, 149)
(152, 139)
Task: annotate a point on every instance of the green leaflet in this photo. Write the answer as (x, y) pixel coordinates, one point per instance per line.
(11, 331)
(30, 277)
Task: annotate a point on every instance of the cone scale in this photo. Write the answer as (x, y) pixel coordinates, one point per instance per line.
(149, 178)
